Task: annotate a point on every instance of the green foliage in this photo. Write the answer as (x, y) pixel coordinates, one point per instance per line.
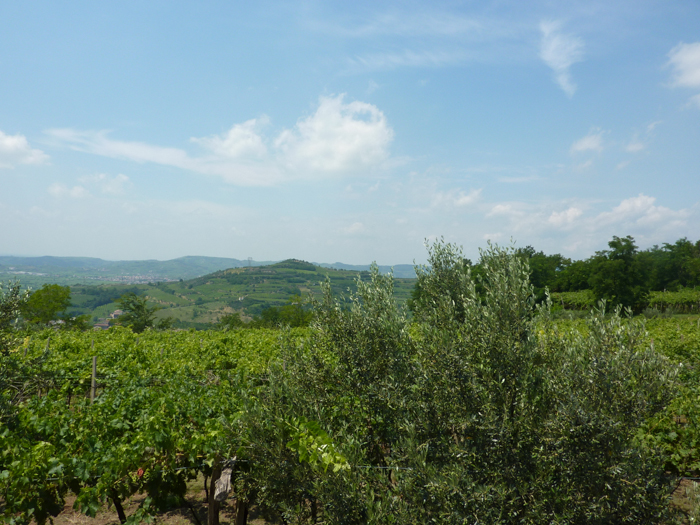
(203, 301)
(11, 303)
(314, 446)
(579, 300)
(676, 429)
(684, 300)
(480, 411)
(294, 314)
(167, 408)
(618, 275)
(46, 304)
(231, 321)
(136, 315)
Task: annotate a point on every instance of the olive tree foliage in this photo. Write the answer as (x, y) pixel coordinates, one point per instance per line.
(478, 410)
(16, 377)
(12, 300)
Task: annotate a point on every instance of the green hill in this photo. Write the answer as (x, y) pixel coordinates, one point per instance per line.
(248, 290)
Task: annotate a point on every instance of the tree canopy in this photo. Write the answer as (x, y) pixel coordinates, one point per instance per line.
(136, 314)
(475, 411)
(49, 303)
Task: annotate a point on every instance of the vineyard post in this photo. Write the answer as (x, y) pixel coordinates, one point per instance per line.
(93, 383)
(26, 348)
(213, 510)
(47, 344)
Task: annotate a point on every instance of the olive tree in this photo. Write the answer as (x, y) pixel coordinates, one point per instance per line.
(480, 409)
(12, 299)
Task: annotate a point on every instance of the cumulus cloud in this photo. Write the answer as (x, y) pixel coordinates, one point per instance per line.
(15, 149)
(338, 138)
(579, 226)
(641, 211)
(591, 142)
(684, 59)
(61, 190)
(242, 140)
(564, 218)
(456, 198)
(560, 51)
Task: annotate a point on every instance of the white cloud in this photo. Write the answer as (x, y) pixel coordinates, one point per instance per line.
(584, 165)
(98, 143)
(61, 190)
(507, 210)
(635, 146)
(639, 211)
(116, 185)
(337, 137)
(242, 140)
(591, 142)
(578, 226)
(354, 228)
(685, 61)
(420, 24)
(346, 138)
(560, 51)
(408, 58)
(456, 198)
(651, 127)
(15, 149)
(564, 218)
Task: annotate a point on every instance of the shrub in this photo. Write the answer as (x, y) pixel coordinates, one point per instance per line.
(481, 411)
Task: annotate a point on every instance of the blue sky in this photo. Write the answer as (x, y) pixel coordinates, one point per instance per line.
(346, 131)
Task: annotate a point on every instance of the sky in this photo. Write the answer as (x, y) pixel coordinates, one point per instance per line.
(346, 131)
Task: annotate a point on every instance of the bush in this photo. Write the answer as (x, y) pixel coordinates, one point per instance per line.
(481, 411)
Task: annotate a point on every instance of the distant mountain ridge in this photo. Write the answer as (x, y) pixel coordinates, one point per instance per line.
(83, 270)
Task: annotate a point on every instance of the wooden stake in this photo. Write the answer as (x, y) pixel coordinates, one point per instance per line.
(93, 384)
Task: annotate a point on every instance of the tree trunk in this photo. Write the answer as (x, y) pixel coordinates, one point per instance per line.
(241, 512)
(213, 512)
(118, 505)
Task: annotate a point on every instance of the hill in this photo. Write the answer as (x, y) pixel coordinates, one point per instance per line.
(248, 290)
(36, 271)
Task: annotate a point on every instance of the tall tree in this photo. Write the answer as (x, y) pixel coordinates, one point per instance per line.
(618, 275)
(47, 304)
(136, 314)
